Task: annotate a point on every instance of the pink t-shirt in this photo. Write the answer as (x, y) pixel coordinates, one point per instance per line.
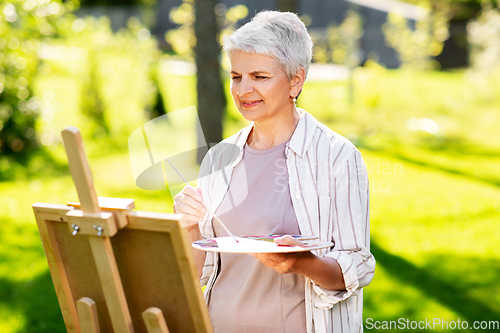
(249, 296)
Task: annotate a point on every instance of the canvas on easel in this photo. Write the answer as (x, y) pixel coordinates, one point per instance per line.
(115, 269)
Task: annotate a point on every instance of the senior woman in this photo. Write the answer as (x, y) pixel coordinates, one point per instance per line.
(286, 174)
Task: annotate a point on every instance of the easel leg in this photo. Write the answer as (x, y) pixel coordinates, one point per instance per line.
(87, 313)
(155, 321)
(112, 287)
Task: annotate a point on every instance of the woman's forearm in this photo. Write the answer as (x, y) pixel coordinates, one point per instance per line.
(324, 271)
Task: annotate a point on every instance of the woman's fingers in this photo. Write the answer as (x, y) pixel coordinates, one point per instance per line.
(188, 203)
(190, 197)
(287, 240)
(188, 209)
(281, 263)
(199, 190)
(195, 193)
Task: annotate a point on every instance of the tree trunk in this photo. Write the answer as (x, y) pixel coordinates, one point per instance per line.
(211, 97)
(288, 5)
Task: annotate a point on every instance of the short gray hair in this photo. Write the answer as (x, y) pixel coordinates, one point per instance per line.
(280, 35)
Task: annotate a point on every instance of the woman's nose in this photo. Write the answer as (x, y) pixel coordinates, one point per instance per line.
(245, 87)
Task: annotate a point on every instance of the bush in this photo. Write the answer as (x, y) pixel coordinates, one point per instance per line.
(24, 25)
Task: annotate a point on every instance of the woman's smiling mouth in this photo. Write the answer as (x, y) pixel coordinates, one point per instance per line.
(250, 104)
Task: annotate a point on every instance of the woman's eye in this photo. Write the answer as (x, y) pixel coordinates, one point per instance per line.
(236, 78)
(261, 77)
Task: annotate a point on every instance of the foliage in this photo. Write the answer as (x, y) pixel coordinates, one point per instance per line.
(415, 2)
(227, 18)
(24, 26)
(157, 107)
(116, 2)
(461, 9)
(484, 37)
(94, 36)
(183, 40)
(100, 59)
(342, 44)
(139, 54)
(416, 47)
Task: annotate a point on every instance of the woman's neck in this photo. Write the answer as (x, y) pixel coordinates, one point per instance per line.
(273, 132)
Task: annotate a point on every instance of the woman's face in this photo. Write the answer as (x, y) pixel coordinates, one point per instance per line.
(259, 86)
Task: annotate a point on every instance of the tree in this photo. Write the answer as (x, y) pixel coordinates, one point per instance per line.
(116, 2)
(483, 34)
(417, 47)
(24, 26)
(211, 98)
(288, 5)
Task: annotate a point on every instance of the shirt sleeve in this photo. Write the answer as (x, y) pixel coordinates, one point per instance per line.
(349, 221)
(212, 179)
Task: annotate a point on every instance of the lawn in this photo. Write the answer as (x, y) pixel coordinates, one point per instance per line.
(435, 189)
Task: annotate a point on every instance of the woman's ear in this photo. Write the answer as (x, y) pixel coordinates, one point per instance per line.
(297, 82)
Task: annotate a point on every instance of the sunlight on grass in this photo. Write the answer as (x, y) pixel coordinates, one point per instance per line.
(11, 321)
(430, 210)
(433, 230)
(387, 299)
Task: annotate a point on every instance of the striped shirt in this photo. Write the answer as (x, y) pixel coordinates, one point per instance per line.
(329, 190)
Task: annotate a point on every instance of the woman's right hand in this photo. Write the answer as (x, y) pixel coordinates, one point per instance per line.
(189, 203)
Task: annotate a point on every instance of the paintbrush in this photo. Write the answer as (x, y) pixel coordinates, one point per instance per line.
(204, 204)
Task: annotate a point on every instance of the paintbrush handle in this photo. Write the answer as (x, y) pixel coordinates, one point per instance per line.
(218, 220)
(204, 204)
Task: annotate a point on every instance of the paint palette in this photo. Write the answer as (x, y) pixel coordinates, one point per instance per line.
(259, 244)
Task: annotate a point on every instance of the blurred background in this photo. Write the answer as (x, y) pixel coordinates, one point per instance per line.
(414, 84)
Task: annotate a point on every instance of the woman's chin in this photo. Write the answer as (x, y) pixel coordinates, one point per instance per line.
(250, 115)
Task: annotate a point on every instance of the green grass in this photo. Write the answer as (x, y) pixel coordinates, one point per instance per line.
(435, 236)
(435, 199)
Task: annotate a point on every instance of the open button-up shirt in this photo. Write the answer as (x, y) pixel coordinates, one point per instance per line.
(329, 191)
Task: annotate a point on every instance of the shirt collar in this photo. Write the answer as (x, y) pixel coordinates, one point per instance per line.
(301, 137)
(303, 134)
(243, 137)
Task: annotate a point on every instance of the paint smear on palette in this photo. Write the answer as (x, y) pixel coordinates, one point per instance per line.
(256, 244)
(271, 238)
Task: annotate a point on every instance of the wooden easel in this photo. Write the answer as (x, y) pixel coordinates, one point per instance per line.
(130, 271)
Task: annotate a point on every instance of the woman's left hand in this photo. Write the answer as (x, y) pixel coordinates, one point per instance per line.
(324, 271)
(285, 262)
